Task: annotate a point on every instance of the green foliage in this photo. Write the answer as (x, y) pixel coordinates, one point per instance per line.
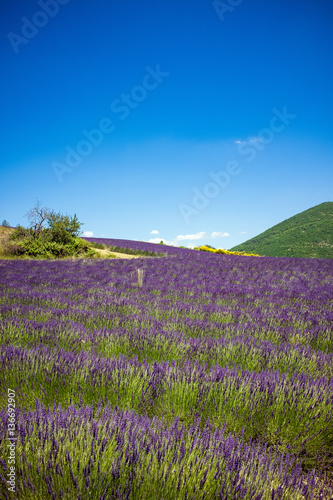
(5, 223)
(63, 228)
(207, 248)
(100, 246)
(43, 247)
(22, 232)
(60, 239)
(307, 234)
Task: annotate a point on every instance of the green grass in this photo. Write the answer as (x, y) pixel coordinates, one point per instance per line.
(5, 233)
(307, 234)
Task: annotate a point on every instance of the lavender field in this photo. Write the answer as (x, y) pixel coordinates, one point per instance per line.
(212, 380)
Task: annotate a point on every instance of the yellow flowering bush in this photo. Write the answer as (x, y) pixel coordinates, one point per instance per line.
(204, 248)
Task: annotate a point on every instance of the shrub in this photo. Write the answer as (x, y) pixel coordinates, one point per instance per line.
(62, 228)
(22, 232)
(100, 246)
(42, 247)
(79, 247)
(207, 248)
(57, 241)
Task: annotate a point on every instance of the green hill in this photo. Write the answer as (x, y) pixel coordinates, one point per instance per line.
(307, 234)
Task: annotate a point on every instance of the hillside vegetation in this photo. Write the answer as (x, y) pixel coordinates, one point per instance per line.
(307, 234)
(221, 251)
(20, 243)
(5, 234)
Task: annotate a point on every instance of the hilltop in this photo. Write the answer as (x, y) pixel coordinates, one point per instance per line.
(5, 233)
(307, 234)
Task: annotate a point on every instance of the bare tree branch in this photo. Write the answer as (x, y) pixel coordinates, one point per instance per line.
(37, 217)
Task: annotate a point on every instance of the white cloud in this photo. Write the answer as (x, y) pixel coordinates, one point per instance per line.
(218, 234)
(248, 141)
(154, 240)
(189, 240)
(154, 231)
(196, 236)
(88, 234)
(180, 239)
(243, 232)
(158, 240)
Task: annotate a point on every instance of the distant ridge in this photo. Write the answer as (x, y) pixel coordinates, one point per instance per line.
(307, 234)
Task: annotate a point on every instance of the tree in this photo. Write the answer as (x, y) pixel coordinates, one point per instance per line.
(5, 223)
(50, 235)
(38, 217)
(63, 228)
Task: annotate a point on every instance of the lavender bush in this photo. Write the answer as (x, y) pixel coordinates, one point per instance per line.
(213, 379)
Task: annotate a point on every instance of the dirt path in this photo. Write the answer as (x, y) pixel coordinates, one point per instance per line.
(118, 255)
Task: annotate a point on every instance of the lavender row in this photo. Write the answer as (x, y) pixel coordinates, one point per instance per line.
(92, 293)
(139, 245)
(293, 413)
(132, 336)
(112, 454)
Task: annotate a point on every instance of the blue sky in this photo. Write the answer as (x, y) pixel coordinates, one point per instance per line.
(202, 121)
